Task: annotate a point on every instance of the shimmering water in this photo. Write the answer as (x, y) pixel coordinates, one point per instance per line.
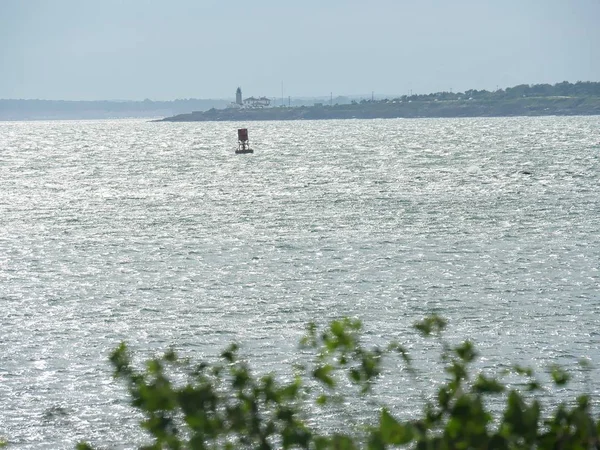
(157, 234)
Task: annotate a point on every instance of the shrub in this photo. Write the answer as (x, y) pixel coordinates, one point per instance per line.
(224, 405)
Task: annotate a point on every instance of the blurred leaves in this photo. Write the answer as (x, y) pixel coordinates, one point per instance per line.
(225, 405)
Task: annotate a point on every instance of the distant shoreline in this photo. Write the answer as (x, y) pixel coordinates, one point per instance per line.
(561, 99)
(21, 109)
(529, 106)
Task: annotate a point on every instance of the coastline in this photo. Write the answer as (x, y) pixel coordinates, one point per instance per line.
(385, 109)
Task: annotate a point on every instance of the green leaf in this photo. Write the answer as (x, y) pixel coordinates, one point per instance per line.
(431, 325)
(520, 370)
(444, 397)
(392, 432)
(323, 374)
(241, 377)
(170, 356)
(583, 402)
(292, 390)
(230, 353)
(585, 364)
(397, 348)
(153, 367)
(309, 340)
(121, 361)
(223, 405)
(559, 375)
(487, 385)
(79, 446)
(341, 442)
(466, 351)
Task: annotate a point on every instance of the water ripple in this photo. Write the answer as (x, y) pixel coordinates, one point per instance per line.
(157, 234)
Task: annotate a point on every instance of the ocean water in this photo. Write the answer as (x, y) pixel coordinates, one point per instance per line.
(157, 234)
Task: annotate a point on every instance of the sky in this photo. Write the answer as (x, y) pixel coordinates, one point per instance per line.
(165, 50)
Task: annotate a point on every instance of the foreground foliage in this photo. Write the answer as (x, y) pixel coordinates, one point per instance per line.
(223, 405)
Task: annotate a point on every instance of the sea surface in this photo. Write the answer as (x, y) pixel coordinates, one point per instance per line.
(158, 235)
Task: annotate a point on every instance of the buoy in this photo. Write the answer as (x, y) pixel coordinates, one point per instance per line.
(243, 143)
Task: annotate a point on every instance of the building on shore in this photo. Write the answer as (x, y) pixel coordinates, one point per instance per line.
(253, 102)
(250, 102)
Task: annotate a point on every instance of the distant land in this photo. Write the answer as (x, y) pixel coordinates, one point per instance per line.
(81, 110)
(21, 109)
(581, 98)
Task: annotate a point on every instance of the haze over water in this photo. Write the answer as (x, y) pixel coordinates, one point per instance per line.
(158, 235)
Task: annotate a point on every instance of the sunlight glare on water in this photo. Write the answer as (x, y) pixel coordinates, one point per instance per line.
(158, 235)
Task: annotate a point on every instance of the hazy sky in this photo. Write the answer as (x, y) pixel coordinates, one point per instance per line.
(162, 50)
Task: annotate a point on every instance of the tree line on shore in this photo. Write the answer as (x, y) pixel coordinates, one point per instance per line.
(563, 89)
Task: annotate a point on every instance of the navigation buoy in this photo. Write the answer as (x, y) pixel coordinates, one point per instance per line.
(243, 144)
